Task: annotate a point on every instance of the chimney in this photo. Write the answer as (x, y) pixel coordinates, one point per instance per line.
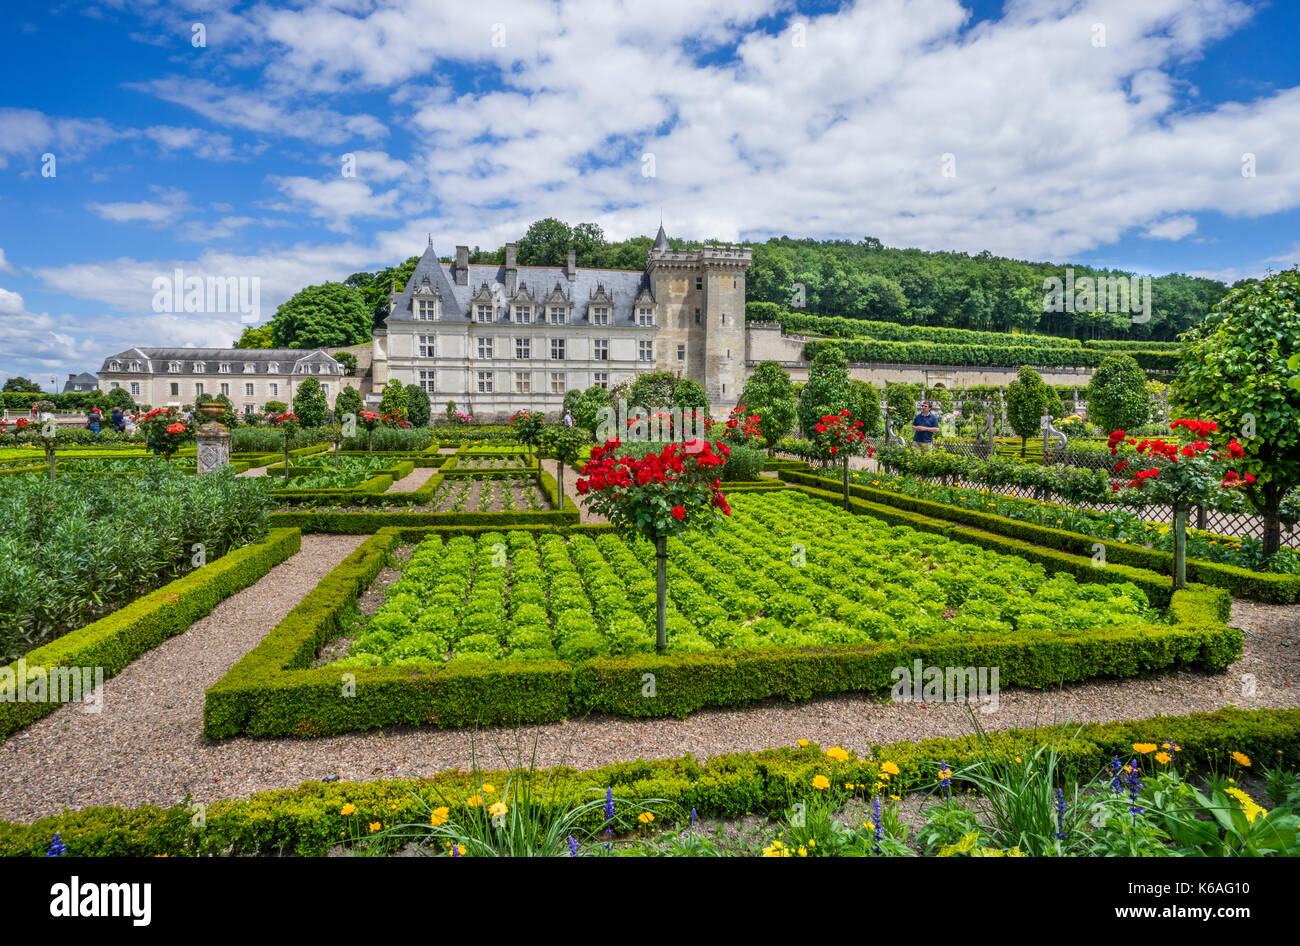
(462, 265)
(71, 377)
(512, 271)
(572, 267)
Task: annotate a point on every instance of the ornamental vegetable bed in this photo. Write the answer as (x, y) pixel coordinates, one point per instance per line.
(788, 571)
(76, 549)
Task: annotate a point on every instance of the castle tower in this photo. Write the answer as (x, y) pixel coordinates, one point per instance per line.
(701, 300)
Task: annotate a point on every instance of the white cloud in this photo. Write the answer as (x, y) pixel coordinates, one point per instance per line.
(338, 200)
(170, 206)
(209, 145)
(10, 302)
(1173, 228)
(5, 265)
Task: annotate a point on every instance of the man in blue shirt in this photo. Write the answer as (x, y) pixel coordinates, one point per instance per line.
(925, 425)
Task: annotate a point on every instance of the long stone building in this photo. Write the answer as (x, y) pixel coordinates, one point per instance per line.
(498, 338)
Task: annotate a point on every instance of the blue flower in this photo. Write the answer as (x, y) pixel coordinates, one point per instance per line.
(573, 846)
(880, 828)
(694, 816)
(1117, 775)
(1060, 815)
(609, 804)
(455, 850)
(57, 848)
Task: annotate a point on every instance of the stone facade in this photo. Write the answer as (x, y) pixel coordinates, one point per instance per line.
(495, 339)
(174, 377)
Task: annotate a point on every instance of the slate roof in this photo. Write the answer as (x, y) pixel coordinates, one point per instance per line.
(80, 381)
(156, 359)
(623, 286)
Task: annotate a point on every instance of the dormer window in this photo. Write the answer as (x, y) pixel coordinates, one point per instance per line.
(249, 368)
(135, 366)
(272, 367)
(426, 310)
(174, 367)
(523, 314)
(115, 366)
(483, 313)
(200, 367)
(224, 368)
(559, 314)
(645, 316)
(599, 315)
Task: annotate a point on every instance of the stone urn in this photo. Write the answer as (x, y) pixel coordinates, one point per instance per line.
(213, 438)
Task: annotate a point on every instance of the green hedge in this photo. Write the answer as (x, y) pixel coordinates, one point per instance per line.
(938, 353)
(1239, 582)
(114, 641)
(272, 693)
(307, 820)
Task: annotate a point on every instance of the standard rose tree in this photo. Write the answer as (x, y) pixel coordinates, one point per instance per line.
(528, 429)
(838, 437)
(165, 431)
(289, 423)
(657, 496)
(1180, 474)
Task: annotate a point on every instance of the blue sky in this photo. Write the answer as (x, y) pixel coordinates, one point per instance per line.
(1097, 131)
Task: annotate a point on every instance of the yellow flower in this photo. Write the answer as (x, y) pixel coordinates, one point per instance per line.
(474, 801)
(645, 817)
(375, 826)
(488, 789)
(347, 809)
(1144, 747)
(776, 849)
(1248, 806)
(849, 786)
(1242, 759)
(439, 816)
(895, 798)
(1164, 758)
(821, 783)
(498, 810)
(803, 851)
(812, 842)
(889, 768)
(803, 743)
(838, 754)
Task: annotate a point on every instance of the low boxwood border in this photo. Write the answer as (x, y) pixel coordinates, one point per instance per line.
(115, 640)
(1240, 582)
(271, 691)
(308, 820)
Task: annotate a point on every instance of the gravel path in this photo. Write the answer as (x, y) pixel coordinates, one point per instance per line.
(147, 747)
(412, 481)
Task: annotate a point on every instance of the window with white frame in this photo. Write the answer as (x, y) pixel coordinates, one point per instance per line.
(174, 367)
(645, 316)
(225, 389)
(427, 310)
(523, 382)
(248, 389)
(325, 389)
(600, 379)
(485, 382)
(136, 366)
(599, 315)
(645, 351)
(600, 349)
(557, 382)
(224, 368)
(115, 366)
(558, 315)
(198, 389)
(200, 367)
(274, 389)
(249, 367)
(681, 352)
(557, 349)
(426, 382)
(483, 312)
(523, 348)
(523, 314)
(175, 389)
(113, 385)
(272, 367)
(427, 346)
(485, 348)
(135, 388)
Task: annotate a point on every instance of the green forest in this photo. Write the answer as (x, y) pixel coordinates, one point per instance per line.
(867, 280)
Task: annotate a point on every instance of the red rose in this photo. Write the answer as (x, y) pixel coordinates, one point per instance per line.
(679, 513)
(176, 429)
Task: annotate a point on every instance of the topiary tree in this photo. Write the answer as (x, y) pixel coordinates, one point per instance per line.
(528, 427)
(866, 407)
(688, 393)
(585, 406)
(1026, 404)
(310, 404)
(565, 445)
(119, 398)
(331, 315)
(827, 390)
(348, 402)
(418, 411)
(653, 391)
(769, 394)
(1117, 394)
(394, 399)
(1233, 370)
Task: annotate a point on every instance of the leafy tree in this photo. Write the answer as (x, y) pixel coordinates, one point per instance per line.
(827, 390)
(565, 445)
(585, 406)
(310, 404)
(347, 360)
(589, 246)
(689, 393)
(376, 287)
(529, 427)
(255, 336)
(348, 402)
(329, 315)
(418, 411)
(22, 385)
(1026, 404)
(545, 244)
(900, 405)
(274, 407)
(654, 391)
(1234, 372)
(769, 394)
(866, 407)
(1117, 395)
(395, 398)
(117, 397)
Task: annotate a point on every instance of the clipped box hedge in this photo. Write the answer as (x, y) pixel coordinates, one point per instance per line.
(115, 640)
(1270, 587)
(271, 692)
(308, 820)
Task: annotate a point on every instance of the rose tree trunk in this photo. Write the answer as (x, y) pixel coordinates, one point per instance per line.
(1180, 545)
(661, 593)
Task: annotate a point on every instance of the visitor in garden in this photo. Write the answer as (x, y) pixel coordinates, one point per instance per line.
(568, 419)
(925, 425)
(92, 424)
(130, 425)
(119, 420)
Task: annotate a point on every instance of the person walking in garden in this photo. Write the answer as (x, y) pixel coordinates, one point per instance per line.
(119, 420)
(568, 419)
(92, 423)
(925, 425)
